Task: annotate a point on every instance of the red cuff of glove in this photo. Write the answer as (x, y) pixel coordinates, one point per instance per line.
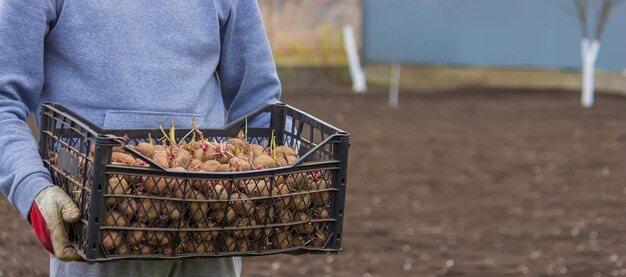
(41, 228)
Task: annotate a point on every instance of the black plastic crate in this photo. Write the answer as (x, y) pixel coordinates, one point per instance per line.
(131, 212)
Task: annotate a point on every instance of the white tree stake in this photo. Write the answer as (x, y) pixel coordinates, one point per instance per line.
(589, 51)
(356, 72)
(394, 85)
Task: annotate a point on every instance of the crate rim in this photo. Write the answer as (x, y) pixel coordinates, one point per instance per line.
(95, 130)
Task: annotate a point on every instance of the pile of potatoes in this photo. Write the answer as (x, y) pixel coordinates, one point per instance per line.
(162, 216)
(232, 156)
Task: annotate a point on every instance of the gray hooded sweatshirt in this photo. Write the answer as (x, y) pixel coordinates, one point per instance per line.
(122, 64)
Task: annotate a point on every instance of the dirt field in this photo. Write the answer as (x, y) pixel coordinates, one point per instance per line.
(463, 183)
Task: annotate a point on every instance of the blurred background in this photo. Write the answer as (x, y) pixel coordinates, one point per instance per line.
(485, 164)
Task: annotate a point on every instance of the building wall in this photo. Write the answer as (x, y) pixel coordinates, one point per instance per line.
(491, 33)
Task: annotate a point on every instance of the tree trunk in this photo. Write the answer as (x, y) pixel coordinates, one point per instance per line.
(589, 54)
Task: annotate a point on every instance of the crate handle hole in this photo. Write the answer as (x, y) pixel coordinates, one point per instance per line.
(96, 220)
(343, 182)
(338, 236)
(100, 187)
(93, 246)
(341, 212)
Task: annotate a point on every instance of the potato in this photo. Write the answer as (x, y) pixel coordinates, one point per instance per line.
(297, 241)
(213, 152)
(198, 154)
(284, 216)
(212, 163)
(268, 231)
(255, 149)
(195, 165)
(237, 164)
(128, 206)
(223, 159)
(210, 153)
(112, 240)
(298, 182)
(325, 213)
(171, 210)
(238, 144)
(183, 236)
(241, 205)
(231, 148)
(242, 245)
(182, 159)
(298, 202)
(230, 244)
(201, 185)
(200, 247)
(219, 210)
(133, 179)
(167, 250)
(263, 214)
(305, 228)
(264, 161)
(284, 160)
(211, 166)
(148, 209)
(145, 149)
(280, 150)
(320, 239)
(218, 192)
(162, 159)
(320, 198)
(265, 244)
(158, 238)
(243, 156)
(223, 167)
(182, 190)
(242, 233)
(158, 186)
(115, 218)
(122, 158)
(280, 240)
(144, 249)
(260, 189)
(117, 185)
(135, 237)
(205, 235)
(198, 209)
(282, 196)
(123, 250)
(196, 144)
(225, 212)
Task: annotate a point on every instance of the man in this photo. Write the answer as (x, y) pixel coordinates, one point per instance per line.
(122, 64)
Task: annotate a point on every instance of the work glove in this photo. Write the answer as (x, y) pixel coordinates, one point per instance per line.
(49, 214)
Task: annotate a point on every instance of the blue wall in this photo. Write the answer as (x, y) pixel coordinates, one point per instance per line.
(502, 33)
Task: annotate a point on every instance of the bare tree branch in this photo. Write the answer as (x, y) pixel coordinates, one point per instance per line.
(603, 17)
(581, 7)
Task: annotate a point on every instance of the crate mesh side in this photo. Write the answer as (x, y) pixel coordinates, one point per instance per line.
(70, 164)
(156, 216)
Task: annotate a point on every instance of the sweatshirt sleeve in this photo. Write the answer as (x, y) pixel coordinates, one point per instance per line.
(23, 27)
(246, 69)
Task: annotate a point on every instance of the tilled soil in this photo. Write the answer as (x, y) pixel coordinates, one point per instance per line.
(463, 183)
